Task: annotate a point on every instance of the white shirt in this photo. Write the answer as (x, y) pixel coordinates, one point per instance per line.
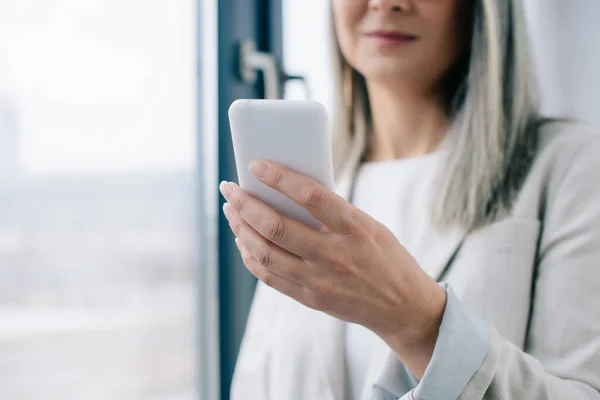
(397, 193)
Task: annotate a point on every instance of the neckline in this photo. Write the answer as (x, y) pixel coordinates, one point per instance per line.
(401, 162)
(443, 148)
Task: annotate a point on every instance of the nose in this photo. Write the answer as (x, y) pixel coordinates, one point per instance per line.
(391, 5)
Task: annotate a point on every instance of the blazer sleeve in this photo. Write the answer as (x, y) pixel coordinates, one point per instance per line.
(562, 360)
(461, 346)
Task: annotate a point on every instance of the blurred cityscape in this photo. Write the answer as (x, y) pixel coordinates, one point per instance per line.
(96, 281)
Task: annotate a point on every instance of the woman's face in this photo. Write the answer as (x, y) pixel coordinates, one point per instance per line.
(406, 41)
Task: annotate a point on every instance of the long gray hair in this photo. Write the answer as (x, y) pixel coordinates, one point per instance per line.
(492, 105)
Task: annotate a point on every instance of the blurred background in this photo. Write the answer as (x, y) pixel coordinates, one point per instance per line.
(116, 281)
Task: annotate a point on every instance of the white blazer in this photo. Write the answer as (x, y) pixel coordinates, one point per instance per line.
(534, 277)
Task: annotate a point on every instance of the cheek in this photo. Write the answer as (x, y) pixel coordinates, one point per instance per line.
(445, 26)
(443, 17)
(347, 17)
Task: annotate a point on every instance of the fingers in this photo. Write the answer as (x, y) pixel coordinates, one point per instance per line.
(272, 257)
(329, 208)
(269, 278)
(288, 234)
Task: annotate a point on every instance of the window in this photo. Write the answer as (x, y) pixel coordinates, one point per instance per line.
(98, 204)
(307, 51)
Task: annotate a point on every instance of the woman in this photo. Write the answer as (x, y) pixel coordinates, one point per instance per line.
(449, 174)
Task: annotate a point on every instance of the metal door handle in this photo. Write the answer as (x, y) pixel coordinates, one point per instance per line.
(251, 61)
(303, 80)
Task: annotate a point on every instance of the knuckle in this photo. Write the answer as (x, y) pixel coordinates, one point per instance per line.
(328, 289)
(264, 257)
(359, 228)
(379, 234)
(315, 196)
(236, 227)
(276, 176)
(266, 277)
(275, 229)
(314, 300)
(296, 276)
(246, 258)
(344, 263)
(238, 203)
(338, 255)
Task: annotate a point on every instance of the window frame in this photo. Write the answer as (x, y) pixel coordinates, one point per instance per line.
(226, 287)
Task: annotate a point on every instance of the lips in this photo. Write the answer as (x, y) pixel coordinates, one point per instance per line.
(391, 38)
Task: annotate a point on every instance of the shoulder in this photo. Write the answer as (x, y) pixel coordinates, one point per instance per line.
(564, 173)
(566, 166)
(560, 141)
(567, 147)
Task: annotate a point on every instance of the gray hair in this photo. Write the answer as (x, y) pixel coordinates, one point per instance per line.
(493, 109)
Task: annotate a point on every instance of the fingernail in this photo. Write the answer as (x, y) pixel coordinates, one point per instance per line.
(227, 210)
(237, 243)
(259, 168)
(225, 188)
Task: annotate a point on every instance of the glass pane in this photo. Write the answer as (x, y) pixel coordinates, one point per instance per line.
(307, 49)
(97, 199)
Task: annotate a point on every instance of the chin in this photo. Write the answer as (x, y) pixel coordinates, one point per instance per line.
(397, 72)
(389, 74)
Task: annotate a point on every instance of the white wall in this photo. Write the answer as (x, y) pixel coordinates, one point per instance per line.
(306, 47)
(565, 38)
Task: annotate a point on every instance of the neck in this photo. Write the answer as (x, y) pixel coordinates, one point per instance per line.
(404, 124)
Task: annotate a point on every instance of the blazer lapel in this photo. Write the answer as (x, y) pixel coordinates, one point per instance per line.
(436, 258)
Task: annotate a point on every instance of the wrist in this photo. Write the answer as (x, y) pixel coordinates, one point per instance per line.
(415, 340)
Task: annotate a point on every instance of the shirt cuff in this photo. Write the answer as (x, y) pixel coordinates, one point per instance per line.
(462, 344)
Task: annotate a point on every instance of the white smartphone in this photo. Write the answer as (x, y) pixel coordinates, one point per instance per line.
(292, 133)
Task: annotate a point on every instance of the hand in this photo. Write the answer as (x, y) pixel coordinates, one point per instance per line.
(354, 268)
